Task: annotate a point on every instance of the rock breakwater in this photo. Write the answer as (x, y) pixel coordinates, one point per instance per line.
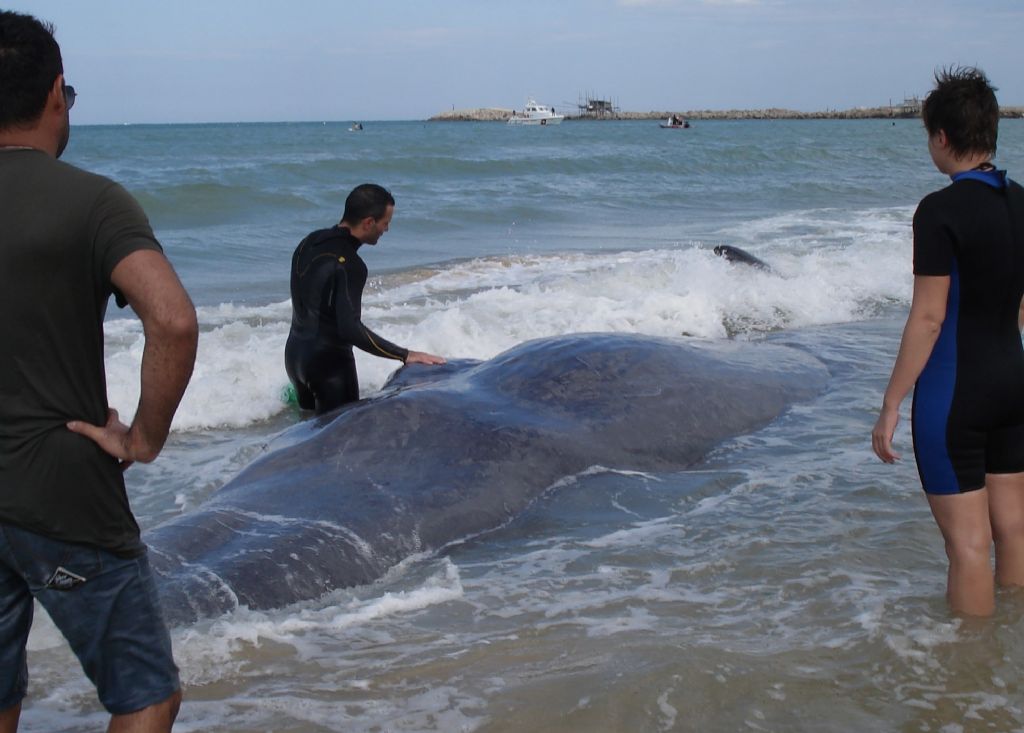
(497, 114)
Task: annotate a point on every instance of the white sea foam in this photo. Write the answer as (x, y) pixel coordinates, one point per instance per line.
(207, 648)
(831, 267)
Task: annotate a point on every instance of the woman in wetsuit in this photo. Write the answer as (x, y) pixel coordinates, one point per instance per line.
(327, 280)
(962, 349)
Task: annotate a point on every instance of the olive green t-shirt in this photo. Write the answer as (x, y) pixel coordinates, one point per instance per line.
(62, 232)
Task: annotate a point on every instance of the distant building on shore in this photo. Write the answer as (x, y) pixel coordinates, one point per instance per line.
(592, 108)
(911, 107)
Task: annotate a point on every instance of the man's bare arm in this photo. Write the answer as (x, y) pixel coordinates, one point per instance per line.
(168, 317)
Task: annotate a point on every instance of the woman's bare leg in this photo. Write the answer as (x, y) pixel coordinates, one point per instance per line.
(963, 520)
(1006, 509)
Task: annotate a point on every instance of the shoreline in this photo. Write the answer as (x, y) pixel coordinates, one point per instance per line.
(498, 114)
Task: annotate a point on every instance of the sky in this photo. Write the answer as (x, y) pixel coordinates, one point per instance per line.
(143, 61)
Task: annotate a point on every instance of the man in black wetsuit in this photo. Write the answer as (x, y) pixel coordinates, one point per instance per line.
(327, 283)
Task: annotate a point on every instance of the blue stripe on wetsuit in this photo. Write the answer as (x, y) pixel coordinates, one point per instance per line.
(994, 178)
(931, 414)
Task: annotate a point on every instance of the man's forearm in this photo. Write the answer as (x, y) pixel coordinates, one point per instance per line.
(167, 361)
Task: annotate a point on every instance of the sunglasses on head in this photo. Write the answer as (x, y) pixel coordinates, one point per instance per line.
(69, 95)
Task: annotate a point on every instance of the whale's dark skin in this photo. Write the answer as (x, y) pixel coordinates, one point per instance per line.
(447, 452)
(741, 257)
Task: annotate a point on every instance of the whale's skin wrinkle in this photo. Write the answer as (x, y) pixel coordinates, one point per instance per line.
(448, 452)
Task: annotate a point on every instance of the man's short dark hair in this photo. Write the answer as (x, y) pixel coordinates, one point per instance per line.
(367, 199)
(29, 63)
(963, 104)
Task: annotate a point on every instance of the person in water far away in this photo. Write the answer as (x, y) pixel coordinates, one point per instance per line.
(961, 347)
(327, 281)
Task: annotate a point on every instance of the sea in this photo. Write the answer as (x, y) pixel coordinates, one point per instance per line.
(788, 582)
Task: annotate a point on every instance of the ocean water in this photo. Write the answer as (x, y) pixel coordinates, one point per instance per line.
(790, 582)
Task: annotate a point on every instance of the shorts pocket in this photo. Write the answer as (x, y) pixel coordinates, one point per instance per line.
(51, 564)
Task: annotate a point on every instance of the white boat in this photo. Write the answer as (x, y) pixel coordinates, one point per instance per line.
(535, 114)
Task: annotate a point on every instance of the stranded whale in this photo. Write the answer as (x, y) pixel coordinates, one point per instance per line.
(447, 452)
(741, 257)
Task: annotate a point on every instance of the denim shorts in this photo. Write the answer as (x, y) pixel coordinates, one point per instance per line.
(105, 605)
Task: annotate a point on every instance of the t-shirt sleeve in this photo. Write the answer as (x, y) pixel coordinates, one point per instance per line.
(933, 241)
(119, 227)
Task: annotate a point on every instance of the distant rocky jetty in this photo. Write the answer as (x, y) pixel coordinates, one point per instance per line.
(497, 114)
(479, 114)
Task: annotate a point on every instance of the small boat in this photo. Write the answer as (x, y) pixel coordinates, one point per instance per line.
(535, 114)
(675, 122)
(356, 127)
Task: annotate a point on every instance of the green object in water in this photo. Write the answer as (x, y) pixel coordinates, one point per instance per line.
(289, 396)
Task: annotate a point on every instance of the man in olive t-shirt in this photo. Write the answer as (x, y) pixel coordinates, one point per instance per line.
(68, 240)
(55, 267)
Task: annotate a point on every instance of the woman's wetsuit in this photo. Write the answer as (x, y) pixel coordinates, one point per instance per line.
(327, 283)
(968, 412)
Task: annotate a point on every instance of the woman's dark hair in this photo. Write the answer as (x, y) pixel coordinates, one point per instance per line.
(367, 199)
(963, 105)
(29, 63)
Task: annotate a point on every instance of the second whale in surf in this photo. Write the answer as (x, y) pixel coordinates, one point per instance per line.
(448, 452)
(740, 256)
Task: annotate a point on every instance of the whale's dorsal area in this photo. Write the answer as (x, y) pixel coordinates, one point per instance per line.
(449, 452)
(741, 257)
